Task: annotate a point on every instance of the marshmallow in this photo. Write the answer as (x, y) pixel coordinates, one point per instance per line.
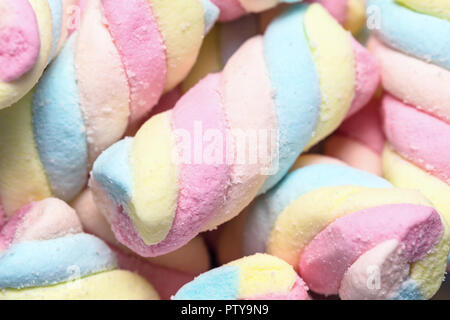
(258, 277)
(367, 240)
(45, 255)
(412, 49)
(31, 34)
(107, 78)
(158, 192)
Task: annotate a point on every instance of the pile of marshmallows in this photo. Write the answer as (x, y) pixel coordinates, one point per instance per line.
(299, 147)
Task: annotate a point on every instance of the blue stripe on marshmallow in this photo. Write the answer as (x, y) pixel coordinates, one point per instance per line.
(58, 127)
(291, 69)
(420, 35)
(56, 8)
(211, 14)
(113, 172)
(43, 263)
(218, 284)
(408, 291)
(268, 207)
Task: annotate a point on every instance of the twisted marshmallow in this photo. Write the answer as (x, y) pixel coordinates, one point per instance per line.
(413, 52)
(350, 233)
(31, 34)
(45, 255)
(109, 75)
(275, 83)
(258, 277)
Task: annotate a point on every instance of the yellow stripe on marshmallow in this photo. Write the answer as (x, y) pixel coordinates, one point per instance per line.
(307, 216)
(19, 159)
(155, 178)
(404, 174)
(437, 8)
(116, 284)
(257, 270)
(334, 58)
(182, 26)
(356, 16)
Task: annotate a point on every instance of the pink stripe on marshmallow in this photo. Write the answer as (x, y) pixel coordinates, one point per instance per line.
(203, 181)
(419, 137)
(337, 8)
(367, 77)
(135, 31)
(9, 231)
(203, 185)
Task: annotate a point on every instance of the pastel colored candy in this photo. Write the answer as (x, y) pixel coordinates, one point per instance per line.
(258, 277)
(159, 190)
(360, 139)
(355, 19)
(166, 273)
(414, 33)
(405, 174)
(402, 76)
(415, 72)
(364, 224)
(102, 86)
(422, 138)
(437, 8)
(45, 255)
(31, 34)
